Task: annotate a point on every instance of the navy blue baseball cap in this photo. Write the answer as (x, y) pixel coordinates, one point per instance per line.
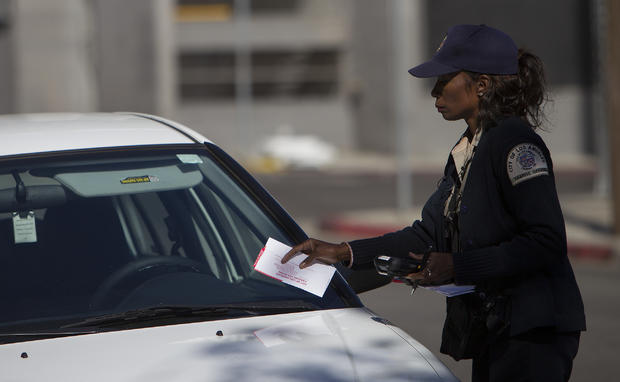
(475, 48)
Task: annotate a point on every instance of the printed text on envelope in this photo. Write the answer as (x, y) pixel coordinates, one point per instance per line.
(313, 279)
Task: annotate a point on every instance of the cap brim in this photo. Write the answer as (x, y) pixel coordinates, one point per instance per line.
(431, 69)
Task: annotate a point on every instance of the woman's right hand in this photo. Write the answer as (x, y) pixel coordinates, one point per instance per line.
(321, 251)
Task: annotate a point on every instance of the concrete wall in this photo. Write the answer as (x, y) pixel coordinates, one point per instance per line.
(315, 24)
(135, 55)
(328, 120)
(557, 30)
(52, 66)
(86, 55)
(6, 57)
(371, 91)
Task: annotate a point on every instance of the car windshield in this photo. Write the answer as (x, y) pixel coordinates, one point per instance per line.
(98, 235)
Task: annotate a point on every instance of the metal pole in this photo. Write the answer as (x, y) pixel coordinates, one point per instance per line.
(401, 37)
(243, 70)
(163, 31)
(602, 181)
(613, 97)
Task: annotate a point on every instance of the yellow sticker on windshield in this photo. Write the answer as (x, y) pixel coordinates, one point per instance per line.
(140, 179)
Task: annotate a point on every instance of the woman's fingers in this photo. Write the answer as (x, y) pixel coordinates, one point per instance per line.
(320, 251)
(442, 267)
(305, 247)
(439, 269)
(307, 262)
(422, 275)
(416, 256)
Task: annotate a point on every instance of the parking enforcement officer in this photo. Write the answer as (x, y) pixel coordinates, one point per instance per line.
(494, 220)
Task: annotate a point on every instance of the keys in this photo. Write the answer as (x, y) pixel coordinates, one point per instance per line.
(414, 286)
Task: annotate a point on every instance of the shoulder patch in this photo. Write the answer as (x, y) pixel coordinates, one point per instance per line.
(525, 161)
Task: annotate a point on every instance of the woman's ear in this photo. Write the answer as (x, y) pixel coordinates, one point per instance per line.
(482, 85)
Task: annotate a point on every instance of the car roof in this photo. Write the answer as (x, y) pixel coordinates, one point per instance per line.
(37, 133)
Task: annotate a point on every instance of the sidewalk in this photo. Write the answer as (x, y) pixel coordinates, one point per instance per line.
(588, 225)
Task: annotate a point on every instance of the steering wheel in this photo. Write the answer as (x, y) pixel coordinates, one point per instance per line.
(136, 272)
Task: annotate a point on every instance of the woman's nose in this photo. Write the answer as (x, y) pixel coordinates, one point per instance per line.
(436, 91)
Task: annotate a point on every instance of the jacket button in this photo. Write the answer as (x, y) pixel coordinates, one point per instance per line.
(463, 208)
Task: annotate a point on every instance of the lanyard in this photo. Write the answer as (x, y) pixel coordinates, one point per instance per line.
(452, 207)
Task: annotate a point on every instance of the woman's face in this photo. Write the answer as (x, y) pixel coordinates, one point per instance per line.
(456, 97)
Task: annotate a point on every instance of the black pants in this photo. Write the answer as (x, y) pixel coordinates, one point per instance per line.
(537, 355)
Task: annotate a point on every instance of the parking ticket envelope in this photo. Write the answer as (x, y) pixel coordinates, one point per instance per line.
(313, 279)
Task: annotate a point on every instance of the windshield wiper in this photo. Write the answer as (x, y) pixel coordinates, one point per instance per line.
(10, 337)
(191, 313)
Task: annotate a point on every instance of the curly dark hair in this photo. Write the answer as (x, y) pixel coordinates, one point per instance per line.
(523, 94)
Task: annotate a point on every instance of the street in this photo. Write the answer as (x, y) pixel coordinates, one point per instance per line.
(310, 196)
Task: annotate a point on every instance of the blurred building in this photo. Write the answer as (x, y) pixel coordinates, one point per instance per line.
(286, 59)
(240, 70)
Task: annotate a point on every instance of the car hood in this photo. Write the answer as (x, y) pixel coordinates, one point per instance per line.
(331, 345)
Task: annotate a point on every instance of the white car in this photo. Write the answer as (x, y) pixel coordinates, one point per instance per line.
(127, 245)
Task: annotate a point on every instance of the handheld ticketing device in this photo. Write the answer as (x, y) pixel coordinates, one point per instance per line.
(399, 267)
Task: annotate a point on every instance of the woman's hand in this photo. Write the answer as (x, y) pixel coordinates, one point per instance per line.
(318, 250)
(439, 269)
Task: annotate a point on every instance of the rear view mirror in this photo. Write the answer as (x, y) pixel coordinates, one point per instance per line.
(40, 196)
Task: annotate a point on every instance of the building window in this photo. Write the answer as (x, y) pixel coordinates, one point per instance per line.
(223, 10)
(207, 75)
(275, 74)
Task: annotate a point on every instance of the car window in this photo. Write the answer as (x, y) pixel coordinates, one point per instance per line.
(112, 233)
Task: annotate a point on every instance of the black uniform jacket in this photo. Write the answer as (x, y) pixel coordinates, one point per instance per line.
(511, 237)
